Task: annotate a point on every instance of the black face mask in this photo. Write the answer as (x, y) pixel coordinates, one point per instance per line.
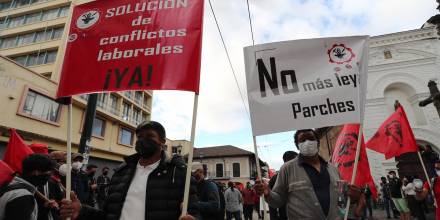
(105, 173)
(39, 180)
(146, 147)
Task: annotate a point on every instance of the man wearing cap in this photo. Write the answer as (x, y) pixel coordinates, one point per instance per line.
(147, 185)
(207, 191)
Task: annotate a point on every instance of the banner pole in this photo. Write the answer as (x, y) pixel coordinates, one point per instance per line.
(190, 156)
(356, 161)
(69, 153)
(427, 177)
(259, 176)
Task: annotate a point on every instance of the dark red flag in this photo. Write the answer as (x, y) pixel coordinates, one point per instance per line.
(5, 173)
(116, 45)
(394, 137)
(16, 151)
(344, 155)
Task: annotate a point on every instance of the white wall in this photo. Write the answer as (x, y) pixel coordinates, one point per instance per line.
(415, 60)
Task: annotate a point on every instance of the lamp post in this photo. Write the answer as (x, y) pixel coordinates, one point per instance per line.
(434, 97)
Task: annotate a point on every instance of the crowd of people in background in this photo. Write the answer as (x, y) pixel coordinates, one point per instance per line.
(38, 192)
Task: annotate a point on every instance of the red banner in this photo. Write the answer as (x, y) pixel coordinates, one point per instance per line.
(16, 151)
(394, 137)
(345, 153)
(116, 45)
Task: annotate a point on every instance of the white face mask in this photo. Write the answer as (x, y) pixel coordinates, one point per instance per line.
(308, 148)
(438, 172)
(62, 170)
(76, 165)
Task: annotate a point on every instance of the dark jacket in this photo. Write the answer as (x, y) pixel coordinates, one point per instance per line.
(103, 183)
(209, 199)
(80, 185)
(165, 188)
(56, 194)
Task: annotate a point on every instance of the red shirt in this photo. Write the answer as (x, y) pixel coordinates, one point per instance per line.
(248, 197)
(437, 195)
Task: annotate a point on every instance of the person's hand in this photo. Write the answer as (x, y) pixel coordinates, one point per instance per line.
(261, 188)
(354, 192)
(187, 217)
(70, 208)
(52, 204)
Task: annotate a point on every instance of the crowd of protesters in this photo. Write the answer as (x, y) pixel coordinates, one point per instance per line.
(150, 185)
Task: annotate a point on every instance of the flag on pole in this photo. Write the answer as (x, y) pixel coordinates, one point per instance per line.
(133, 45)
(344, 155)
(394, 137)
(5, 173)
(16, 151)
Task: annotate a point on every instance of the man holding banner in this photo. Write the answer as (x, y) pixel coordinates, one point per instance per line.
(304, 84)
(307, 185)
(148, 185)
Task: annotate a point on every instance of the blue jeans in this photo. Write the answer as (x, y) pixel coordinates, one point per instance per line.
(236, 215)
(388, 205)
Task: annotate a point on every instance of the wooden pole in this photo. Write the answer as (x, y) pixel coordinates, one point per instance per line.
(259, 176)
(190, 157)
(355, 168)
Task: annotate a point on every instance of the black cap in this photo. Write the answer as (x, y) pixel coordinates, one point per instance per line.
(153, 125)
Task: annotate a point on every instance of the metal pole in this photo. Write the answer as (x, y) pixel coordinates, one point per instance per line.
(69, 153)
(356, 161)
(190, 157)
(86, 135)
(259, 176)
(427, 177)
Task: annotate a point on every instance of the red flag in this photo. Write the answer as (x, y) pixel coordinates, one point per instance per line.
(117, 45)
(5, 173)
(344, 155)
(394, 137)
(16, 151)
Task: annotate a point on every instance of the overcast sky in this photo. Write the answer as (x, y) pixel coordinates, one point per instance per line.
(222, 118)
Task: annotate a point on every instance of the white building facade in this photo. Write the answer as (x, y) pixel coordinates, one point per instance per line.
(401, 64)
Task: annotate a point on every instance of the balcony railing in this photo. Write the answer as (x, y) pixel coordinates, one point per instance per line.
(215, 175)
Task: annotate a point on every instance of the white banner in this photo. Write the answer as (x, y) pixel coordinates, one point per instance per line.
(306, 83)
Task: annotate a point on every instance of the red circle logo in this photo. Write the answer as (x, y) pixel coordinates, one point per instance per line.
(340, 54)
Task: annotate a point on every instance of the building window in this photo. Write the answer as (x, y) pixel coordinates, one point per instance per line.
(145, 103)
(113, 104)
(50, 14)
(41, 107)
(174, 150)
(98, 129)
(125, 111)
(102, 100)
(136, 116)
(387, 54)
(138, 97)
(219, 170)
(34, 17)
(125, 136)
(128, 94)
(236, 169)
(43, 57)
